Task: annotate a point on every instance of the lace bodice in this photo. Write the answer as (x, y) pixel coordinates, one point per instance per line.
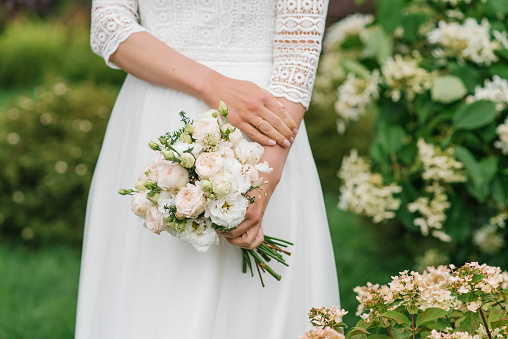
(285, 32)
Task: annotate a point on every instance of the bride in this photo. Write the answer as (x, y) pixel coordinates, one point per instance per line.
(259, 57)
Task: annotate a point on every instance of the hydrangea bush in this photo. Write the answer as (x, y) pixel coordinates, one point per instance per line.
(435, 75)
(469, 302)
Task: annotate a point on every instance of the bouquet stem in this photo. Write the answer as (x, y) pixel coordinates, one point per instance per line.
(269, 249)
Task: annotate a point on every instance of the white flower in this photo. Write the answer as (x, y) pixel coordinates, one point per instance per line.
(199, 234)
(502, 132)
(221, 185)
(240, 181)
(404, 74)
(439, 165)
(488, 239)
(228, 211)
(166, 200)
(249, 152)
(225, 149)
(363, 192)
(154, 220)
(495, 91)
(234, 137)
(354, 96)
(208, 164)
(206, 126)
(190, 201)
(140, 204)
(264, 167)
(345, 28)
(171, 176)
(470, 41)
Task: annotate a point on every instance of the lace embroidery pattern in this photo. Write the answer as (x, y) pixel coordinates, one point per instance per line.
(289, 32)
(297, 44)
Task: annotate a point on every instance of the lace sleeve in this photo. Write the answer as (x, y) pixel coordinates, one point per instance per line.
(299, 30)
(112, 23)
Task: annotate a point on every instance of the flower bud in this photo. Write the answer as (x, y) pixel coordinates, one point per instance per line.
(186, 138)
(122, 191)
(207, 186)
(154, 146)
(215, 114)
(154, 199)
(212, 196)
(163, 141)
(140, 186)
(180, 226)
(187, 160)
(168, 155)
(223, 109)
(189, 129)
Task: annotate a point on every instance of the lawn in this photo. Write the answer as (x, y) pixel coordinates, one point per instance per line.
(38, 287)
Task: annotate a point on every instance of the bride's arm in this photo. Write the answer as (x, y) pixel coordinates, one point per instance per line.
(125, 44)
(297, 45)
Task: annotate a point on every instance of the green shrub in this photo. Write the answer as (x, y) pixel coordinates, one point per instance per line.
(49, 143)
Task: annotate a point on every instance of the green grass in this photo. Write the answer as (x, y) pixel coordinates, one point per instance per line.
(38, 290)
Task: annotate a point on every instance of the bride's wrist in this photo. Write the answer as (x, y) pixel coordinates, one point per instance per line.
(207, 87)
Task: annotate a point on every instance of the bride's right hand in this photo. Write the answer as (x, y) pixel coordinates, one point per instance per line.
(254, 111)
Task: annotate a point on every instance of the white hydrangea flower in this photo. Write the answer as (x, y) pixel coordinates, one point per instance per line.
(502, 132)
(439, 165)
(432, 211)
(404, 74)
(488, 239)
(354, 95)
(470, 41)
(352, 25)
(363, 192)
(495, 90)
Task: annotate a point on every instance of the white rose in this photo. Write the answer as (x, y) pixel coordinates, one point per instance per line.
(240, 182)
(251, 172)
(249, 152)
(263, 167)
(154, 220)
(235, 136)
(199, 234)
(228, 211)
(206, 126)
(190, 201)
(159, 160)
(225, 149)
(172, 176)
(140, 204)
(208, 164)
(221, 186)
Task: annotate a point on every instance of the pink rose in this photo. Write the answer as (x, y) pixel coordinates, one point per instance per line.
(154, 220)
(204, 127)
(172, 176)
(250, 171)
(190, 201)
(234, 137)
(140, 204)
(249, 152)
(208, 164)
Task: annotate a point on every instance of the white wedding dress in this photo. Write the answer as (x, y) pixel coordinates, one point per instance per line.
(136, 284)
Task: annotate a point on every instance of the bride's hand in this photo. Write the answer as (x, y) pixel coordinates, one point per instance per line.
(253, 110)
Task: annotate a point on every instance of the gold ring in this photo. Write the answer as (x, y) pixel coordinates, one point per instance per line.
(262, 120)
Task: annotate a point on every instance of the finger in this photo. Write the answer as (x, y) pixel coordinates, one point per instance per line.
(256, 135)
(280, 110)
(265, 127)
(250, 239)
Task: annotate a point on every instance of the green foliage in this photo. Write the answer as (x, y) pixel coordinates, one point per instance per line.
(49, 143)
(438, 118)
(32, 52)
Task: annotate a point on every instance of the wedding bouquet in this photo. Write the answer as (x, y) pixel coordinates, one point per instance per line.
(200, 181)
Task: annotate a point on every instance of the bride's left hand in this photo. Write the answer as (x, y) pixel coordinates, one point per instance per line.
(249, 234)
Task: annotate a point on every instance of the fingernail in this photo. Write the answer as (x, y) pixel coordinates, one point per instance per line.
(271, 142)
(291, 140)
(286, 143)
(295, 131)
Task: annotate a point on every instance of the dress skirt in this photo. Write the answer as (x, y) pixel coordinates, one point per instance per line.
(136, 284)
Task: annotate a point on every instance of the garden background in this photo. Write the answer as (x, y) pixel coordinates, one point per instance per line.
(55, 99)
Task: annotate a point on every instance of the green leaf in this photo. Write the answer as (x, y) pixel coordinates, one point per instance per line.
(477, 278)
(499, 70)
(458, 223)
(389, 14)
(391, 137)
(379, 336)
(488, 133)
(475, 115)
(398, 317)
(489, 167)
(411, 24)
(357, 330)
(408, 195)
(353, 66)
(470, 323)
(499, 189)
(425, 107)
(494, 8)
(430, 314)
(472, 166)
(379, 46)
(470, 76)
(447, 89)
